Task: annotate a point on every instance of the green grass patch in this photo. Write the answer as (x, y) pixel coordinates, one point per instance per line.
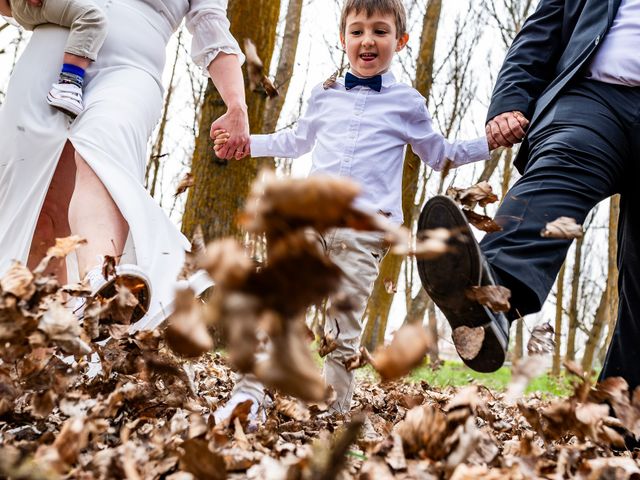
(456, 374)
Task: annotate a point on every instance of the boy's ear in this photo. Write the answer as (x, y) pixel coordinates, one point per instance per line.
(344, 47)
(402, 42)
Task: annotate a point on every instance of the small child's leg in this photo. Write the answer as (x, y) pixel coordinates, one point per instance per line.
(88, 30)
(358, 254)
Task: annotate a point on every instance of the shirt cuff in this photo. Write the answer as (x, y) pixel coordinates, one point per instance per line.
(260, 146)
(478, 150)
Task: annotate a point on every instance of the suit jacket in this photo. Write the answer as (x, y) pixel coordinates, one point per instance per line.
(555, 43)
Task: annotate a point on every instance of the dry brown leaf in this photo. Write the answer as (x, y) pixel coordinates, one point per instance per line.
(18, 281)
(563, 228)
(290, 368)
(293, 409)
(255, 71)
(481, 193)
(406, 351)
(185, 183)
(468, 341)
(495, 297)
(62, 328)
(73, 438)
(199, 460)
(431, 244)
(227, 263)
(64, 246)
(187, 333)
(390, 287)
(359, 360)
(329, 82)
(541, 341)
(328, 344)
(481, 222)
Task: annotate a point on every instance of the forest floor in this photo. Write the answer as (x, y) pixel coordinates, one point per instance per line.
(85, 398)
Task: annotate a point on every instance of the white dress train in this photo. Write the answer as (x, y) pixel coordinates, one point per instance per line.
(123, 101)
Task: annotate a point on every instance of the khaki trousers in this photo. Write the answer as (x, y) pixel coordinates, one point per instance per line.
(86, 21)
(358, 254)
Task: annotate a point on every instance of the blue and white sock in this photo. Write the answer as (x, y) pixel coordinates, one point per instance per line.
(72, 74)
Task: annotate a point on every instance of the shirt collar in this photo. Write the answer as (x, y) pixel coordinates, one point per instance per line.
(388, 79)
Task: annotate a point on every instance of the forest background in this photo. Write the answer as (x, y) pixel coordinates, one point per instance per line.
(454, 54)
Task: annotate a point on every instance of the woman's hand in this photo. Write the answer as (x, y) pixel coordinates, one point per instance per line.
(220, 139)
(35, 3)
(235, 124)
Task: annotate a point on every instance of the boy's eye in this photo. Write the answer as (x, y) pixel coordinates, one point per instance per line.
(356, 32)
(381, 32)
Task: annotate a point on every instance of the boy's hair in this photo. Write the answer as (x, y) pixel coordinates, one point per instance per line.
(393, 7)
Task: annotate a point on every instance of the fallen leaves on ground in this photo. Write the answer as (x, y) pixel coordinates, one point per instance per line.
(139, 405)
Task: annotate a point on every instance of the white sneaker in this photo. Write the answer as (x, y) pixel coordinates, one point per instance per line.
(67, 98)
(128, 275)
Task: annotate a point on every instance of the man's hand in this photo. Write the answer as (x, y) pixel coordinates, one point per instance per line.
(220, 139)
(236, 145)
(506, 129)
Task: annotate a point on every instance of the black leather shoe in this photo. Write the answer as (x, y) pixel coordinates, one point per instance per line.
(447, 279)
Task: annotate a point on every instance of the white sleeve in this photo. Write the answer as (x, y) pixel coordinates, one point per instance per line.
(292, 142)
(434, 150)
(207, 21)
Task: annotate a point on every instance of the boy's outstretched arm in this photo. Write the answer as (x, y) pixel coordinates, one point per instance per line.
(292, 142)
(435, 150)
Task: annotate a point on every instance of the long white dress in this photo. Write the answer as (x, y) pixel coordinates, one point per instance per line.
(123, 102)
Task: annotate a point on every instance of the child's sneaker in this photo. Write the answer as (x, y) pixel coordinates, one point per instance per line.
(67, 98)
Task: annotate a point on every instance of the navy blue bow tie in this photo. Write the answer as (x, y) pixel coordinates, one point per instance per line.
(374, 83)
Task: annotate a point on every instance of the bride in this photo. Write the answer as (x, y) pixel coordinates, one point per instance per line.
(84, 177)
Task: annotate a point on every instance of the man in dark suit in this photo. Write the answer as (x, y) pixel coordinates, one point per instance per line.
(572, 76)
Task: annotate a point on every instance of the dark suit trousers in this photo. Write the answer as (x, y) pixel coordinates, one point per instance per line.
(585, 148)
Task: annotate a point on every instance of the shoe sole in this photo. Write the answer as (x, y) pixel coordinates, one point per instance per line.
(457, 272)
(64, 106)
(136, 282)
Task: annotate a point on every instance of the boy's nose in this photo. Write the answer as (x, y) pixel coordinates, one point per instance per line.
(367, 40)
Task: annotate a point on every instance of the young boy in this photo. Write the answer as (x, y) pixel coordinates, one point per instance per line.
(88, 30)
(358, 127)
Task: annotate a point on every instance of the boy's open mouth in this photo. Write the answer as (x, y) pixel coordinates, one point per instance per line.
(367, 57)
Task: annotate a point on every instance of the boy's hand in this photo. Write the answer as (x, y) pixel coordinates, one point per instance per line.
(220, 139)
(506, 129)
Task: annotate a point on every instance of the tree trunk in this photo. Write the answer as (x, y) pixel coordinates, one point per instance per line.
(286, 61)
(599, 321)
(380, 301)
(417, 308)
(518, 350)
(221, 186)
(612, 274)
(434, 353)
(557, 355)
(153, 164)
(573, 305)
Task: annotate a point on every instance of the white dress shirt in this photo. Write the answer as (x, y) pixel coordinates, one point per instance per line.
(617, 60)
(362, 134)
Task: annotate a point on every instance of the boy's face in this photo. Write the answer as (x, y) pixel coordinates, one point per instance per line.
(370, 42)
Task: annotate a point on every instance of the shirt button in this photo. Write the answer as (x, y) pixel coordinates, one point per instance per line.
(597, 40)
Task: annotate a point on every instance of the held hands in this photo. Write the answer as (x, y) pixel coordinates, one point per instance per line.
(221, 138)
(236, 144)
(506, 129)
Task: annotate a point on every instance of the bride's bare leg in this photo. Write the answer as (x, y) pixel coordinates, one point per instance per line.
(94, 215)
(53, 221)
